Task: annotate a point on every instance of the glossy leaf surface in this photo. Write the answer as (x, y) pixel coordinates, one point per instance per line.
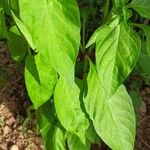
(113, 117)
(40, 79)
(55, 30)
(68, 109)
(117, 51)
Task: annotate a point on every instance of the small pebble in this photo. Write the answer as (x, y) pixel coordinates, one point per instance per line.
(6, 130)
(14, 147)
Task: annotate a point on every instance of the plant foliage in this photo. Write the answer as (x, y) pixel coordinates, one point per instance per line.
(45, 36)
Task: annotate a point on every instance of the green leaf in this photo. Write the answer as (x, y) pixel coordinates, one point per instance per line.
(45, 119)
(17, 45)
(121, 2)
(136, 99)
(93, 38)
(146, 29)
(117, 51)
(3, 29)
(24, 30)
(54, 27)
(5, 4)
(55, 30)
(144, 63)
(74, 143)
(92, 136)
(53, 135)
(56, 139)
(113, 117)
(68, 109)
(40, 79)
(14, 5)
(142, 7)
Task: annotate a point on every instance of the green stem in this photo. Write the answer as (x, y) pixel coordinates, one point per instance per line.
(106, 9)
(136, 24)
(83, 36)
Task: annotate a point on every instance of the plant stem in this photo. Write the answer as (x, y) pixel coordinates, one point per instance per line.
(106, 9)
(83, 35)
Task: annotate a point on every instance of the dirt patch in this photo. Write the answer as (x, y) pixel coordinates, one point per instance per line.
(17, 128)
(143, 127)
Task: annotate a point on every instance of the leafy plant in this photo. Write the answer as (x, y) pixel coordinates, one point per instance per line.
(77, 107)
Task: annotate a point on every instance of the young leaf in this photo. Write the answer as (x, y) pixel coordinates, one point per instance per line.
(93, 38)
(40, 79)
(17, 44)
(146, 29)
(142, 7)
(68, 109)
(117, 51)
(74, 143)
(113, 117)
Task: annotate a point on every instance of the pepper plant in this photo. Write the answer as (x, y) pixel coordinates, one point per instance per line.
(77, 107)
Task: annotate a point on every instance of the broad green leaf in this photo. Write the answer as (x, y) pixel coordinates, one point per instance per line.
(53, 135)
(18, 46)
(113, 117)
(142, 7)
(146, 29)
(55, 29)
(68, 109)
(40, 79)
(117, 51)
(74, 143)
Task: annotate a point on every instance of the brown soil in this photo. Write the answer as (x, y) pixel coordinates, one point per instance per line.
(18, 130)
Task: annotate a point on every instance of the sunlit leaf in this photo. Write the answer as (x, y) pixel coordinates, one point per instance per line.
(113, 117)
(117, 52)
(40, 79)
(68, 109)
